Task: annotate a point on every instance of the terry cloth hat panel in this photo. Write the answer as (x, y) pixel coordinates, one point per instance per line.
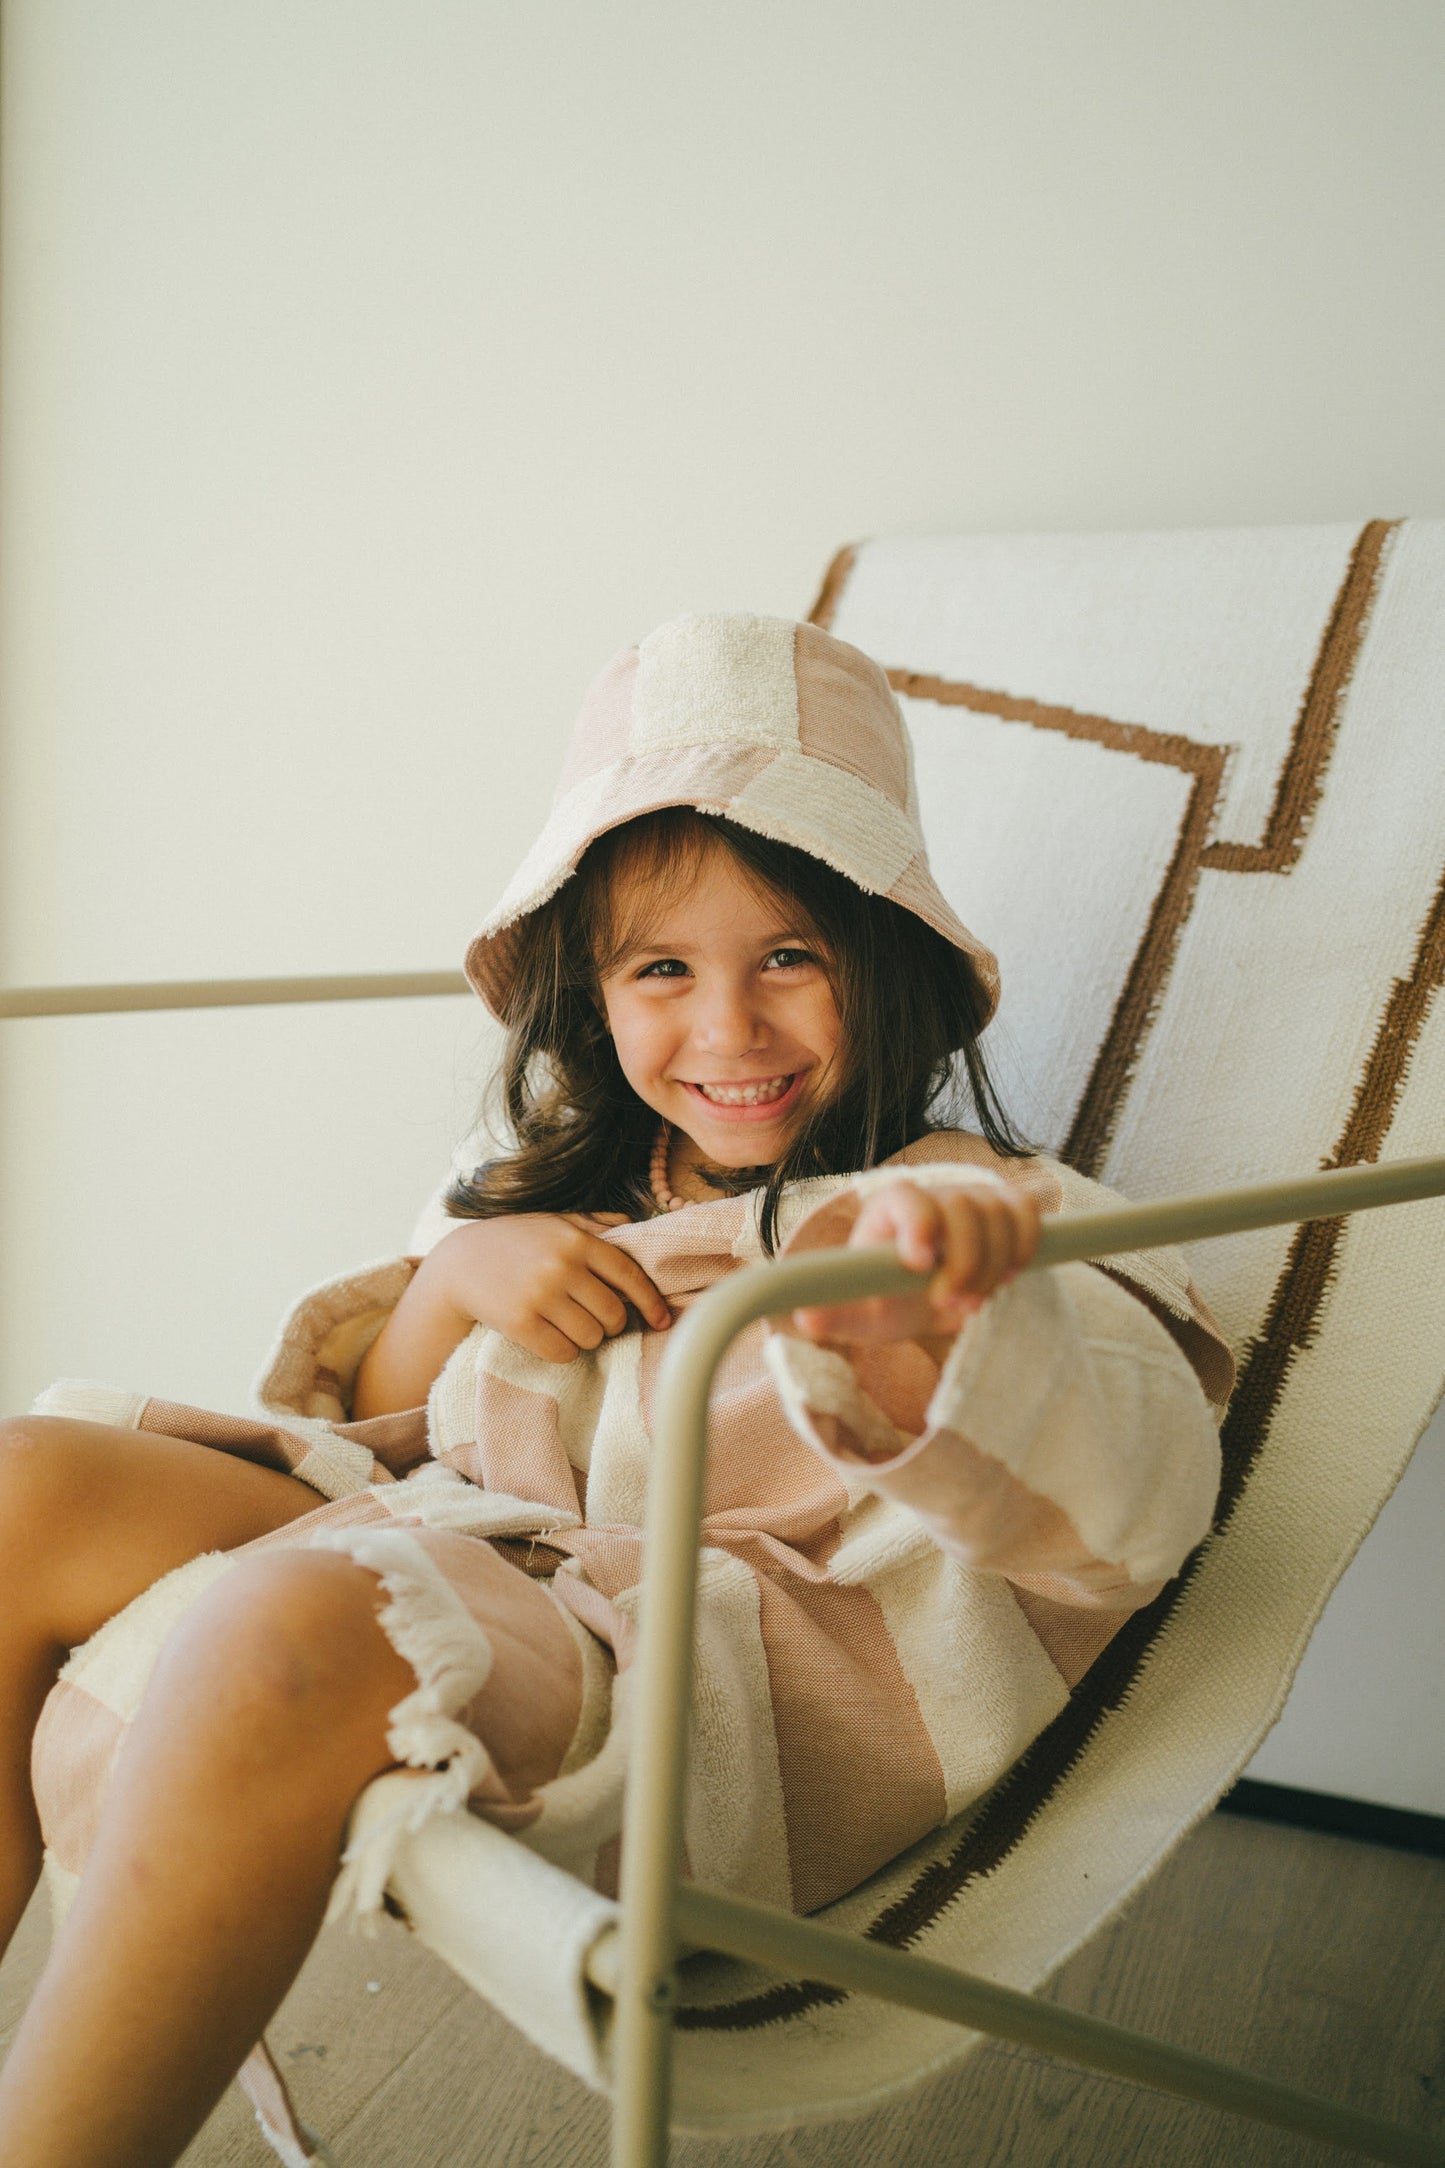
(773, 724)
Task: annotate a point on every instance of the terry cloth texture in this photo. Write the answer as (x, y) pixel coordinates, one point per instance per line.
(780, 727)
(904, 1569)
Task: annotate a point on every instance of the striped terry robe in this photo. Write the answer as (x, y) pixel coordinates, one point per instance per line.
(904, 1570)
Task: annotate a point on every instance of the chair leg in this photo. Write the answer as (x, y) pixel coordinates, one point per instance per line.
(293, 2142)
(642, 2084)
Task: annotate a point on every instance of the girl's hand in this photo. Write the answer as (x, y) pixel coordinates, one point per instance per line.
(545, 1279)
(977, 1239)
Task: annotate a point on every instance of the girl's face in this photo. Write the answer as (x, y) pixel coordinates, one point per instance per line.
(722, 1012)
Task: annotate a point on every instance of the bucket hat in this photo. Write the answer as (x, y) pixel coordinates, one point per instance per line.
(772, 724)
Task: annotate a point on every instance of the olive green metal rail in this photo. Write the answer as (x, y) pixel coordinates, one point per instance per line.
(224, 993)
(642, 1970)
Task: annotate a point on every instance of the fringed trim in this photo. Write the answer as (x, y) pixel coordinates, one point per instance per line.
(428, 1624)
(337, 1467)
(86, 1401)
(441, 1498)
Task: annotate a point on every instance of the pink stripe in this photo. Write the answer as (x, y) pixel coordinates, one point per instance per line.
(604, 723)
(860, 1775)
(518, 1447)
(847, 714)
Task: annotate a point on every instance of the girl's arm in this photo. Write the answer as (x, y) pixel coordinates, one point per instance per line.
(976, 1235)
(547, 1280)
(1061, 1436)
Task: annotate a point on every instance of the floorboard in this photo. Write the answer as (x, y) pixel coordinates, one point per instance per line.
(1315, 1959)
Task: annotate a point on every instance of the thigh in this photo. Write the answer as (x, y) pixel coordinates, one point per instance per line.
(90, 1516)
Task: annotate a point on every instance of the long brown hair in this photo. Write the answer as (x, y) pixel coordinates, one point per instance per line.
(908, 1003)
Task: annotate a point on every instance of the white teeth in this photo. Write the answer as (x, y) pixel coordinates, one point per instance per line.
(745, 1095)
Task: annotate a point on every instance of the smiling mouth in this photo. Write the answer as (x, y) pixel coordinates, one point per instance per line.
(765, 1091)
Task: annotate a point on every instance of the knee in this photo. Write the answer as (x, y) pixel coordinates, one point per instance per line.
(286, 1646)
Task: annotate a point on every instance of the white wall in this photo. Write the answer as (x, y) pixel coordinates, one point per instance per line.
(372, 370)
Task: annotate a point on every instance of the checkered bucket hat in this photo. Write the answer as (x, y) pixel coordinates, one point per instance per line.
(775, 725)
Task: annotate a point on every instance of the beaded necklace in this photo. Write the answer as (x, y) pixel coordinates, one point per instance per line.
(663, 1195)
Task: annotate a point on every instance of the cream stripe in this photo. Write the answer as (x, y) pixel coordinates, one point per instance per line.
(733, 1823)
(701, 679)
(115, 1664)
(439, 1497)
(337, 1467)
(1078, 1391)
(83, 1402)
(617, 1466)
(831, 814)
(983, 1683)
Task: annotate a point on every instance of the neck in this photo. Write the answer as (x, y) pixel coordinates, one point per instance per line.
(699, 1180)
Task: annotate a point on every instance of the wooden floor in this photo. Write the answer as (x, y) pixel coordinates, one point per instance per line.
(1313, 1959)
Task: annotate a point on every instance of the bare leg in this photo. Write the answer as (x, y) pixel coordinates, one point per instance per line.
(90, 1516)
(266, 1715)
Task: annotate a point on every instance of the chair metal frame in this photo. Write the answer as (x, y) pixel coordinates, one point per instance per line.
(637, 1964)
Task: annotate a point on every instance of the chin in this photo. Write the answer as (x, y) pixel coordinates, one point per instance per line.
(759, 1144)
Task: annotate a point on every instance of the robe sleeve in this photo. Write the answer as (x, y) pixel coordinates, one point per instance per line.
(312, 1364)
(1069, 1443)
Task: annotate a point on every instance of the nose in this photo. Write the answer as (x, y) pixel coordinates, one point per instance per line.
(728, 1021)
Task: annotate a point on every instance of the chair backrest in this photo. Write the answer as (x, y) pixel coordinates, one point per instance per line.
(1191, 787)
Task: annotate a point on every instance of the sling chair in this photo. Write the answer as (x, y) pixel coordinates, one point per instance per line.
(1190, 787)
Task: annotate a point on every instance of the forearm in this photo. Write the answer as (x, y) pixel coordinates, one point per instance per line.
(1066, 1443)
(410, 1352)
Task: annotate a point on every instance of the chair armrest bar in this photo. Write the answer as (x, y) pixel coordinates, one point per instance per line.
(652, 1828)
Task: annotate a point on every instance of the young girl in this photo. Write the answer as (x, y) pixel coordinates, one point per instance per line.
(735, 1001)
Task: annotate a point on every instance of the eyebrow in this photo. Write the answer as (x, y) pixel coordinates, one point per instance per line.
(788, 937)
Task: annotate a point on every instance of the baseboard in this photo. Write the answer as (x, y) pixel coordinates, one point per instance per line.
(1362, 1818)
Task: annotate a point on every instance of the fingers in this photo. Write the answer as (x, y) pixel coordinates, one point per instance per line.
(624, 1273)
(580, 1324)
(540, 1337)
(976, 1238)
(589, 1304)
(989, 1235)
(909, 1217)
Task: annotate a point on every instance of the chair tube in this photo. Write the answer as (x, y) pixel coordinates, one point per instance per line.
(224, 993)
(652, 1829)
(803, 1949)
